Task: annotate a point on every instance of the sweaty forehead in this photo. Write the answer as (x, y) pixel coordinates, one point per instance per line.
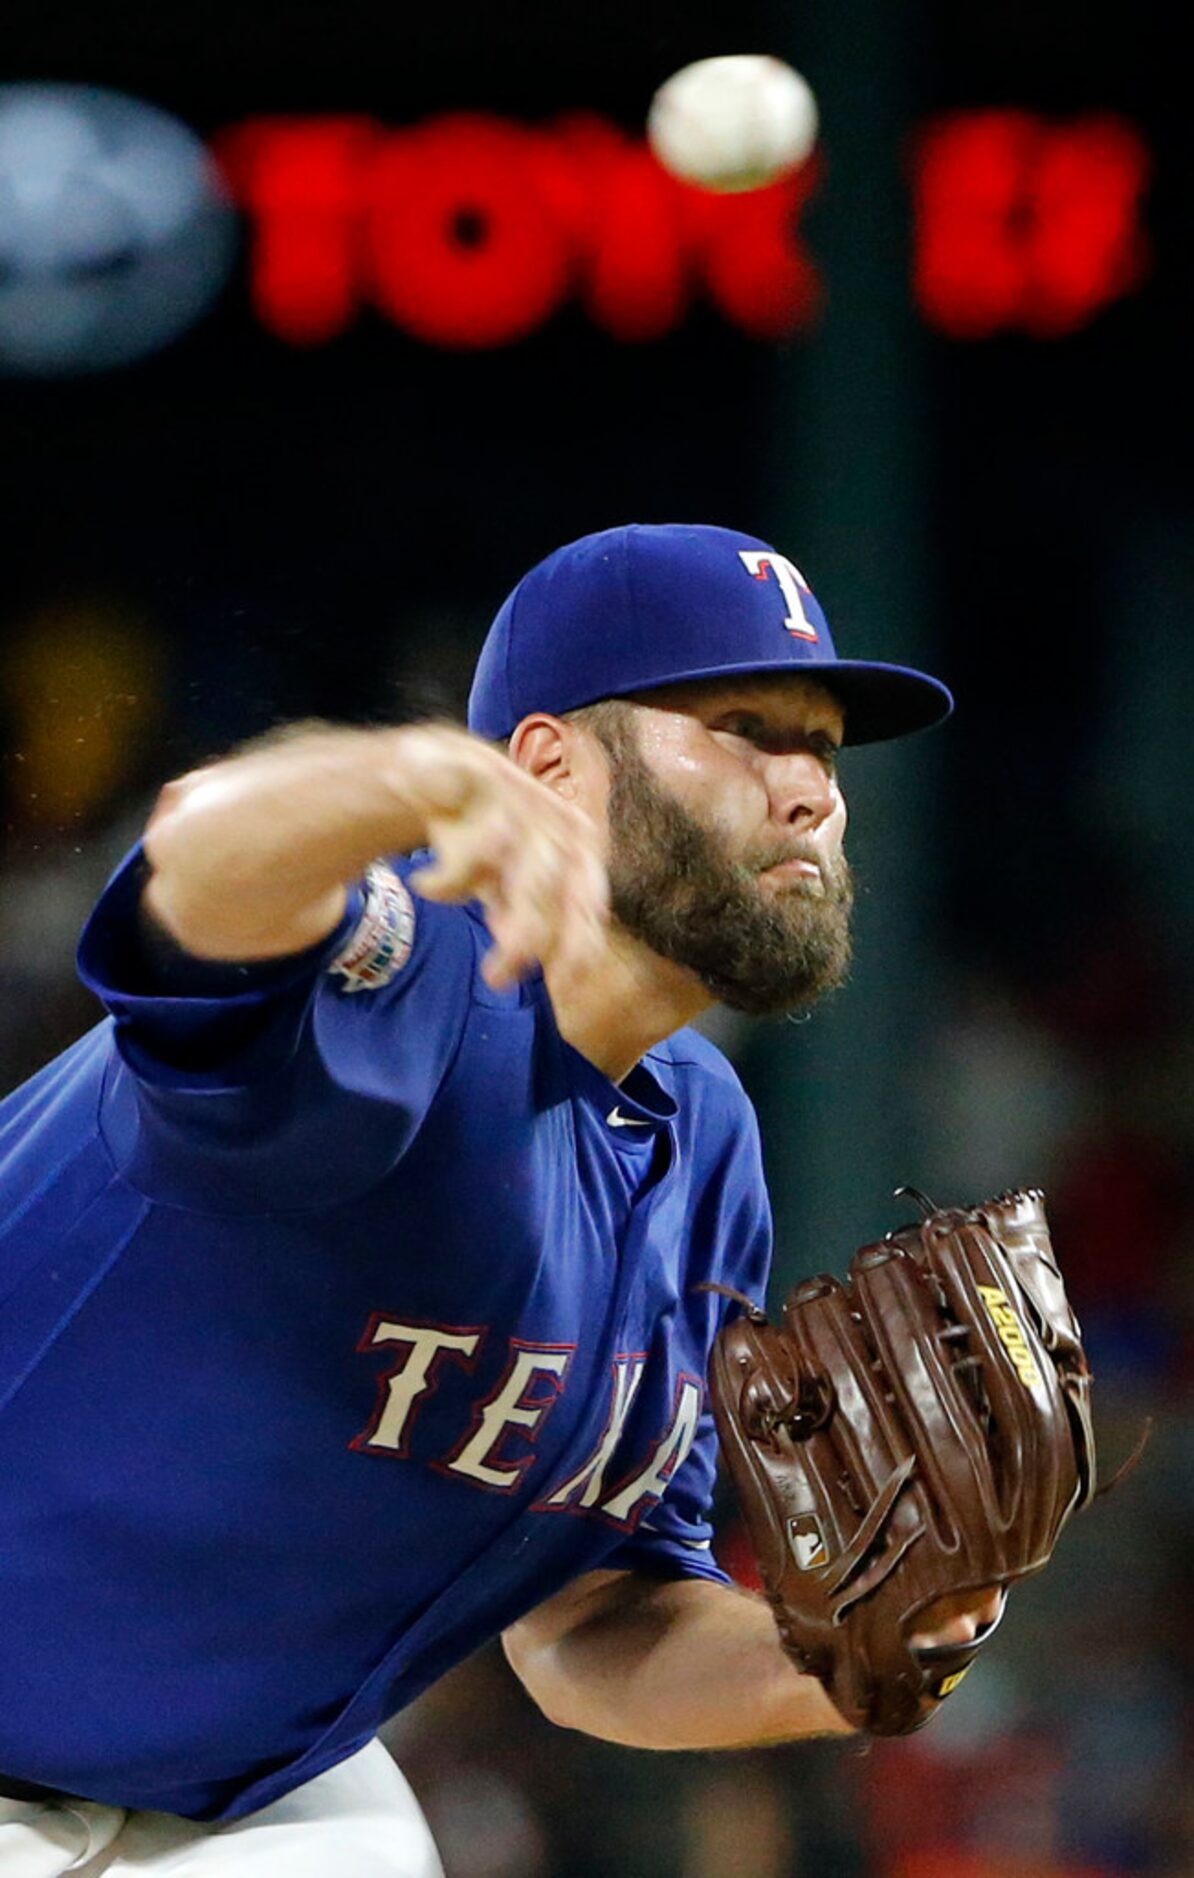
(776, 694)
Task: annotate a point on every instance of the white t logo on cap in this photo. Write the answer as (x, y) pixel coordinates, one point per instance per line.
(760, 562)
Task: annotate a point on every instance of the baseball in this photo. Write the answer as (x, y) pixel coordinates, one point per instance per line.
(733, 123)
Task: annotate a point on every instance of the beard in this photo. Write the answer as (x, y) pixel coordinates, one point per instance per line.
(675, 886)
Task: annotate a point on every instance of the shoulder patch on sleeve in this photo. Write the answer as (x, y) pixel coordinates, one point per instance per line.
(381, 943)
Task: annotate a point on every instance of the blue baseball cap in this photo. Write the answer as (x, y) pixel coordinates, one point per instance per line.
(635, 608)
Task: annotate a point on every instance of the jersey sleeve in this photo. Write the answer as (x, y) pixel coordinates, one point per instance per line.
(189, 1022)
(244, 1076)
(675, 1539)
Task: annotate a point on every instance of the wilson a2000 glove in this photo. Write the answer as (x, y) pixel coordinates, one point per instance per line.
(919, 1431)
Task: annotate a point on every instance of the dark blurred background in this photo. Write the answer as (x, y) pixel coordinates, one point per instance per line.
(245, 476)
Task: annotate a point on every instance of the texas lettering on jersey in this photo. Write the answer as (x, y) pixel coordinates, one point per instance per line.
(530, 1386)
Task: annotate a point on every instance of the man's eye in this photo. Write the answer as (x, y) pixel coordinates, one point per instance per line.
(826, 751)
(753, 729)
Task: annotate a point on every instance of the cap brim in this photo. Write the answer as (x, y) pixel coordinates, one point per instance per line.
(880, 701)
(883, 701)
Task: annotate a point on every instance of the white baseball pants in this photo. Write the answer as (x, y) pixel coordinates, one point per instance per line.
(359, 1818)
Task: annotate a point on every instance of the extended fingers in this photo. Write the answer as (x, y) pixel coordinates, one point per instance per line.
(470, 856)
(548, 906)
(532, 861)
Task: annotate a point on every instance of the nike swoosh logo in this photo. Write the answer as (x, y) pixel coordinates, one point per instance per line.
(616, 1119)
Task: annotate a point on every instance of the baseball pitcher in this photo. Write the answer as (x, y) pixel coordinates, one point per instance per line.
(362, 1269)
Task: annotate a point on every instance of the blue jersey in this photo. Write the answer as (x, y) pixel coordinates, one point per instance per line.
(348, 1314)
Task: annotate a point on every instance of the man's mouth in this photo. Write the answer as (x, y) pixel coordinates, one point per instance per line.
(796, 871)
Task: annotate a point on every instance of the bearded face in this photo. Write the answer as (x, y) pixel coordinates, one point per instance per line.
(757, 947)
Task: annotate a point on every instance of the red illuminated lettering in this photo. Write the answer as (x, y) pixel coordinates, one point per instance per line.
(299, 180)
(468, 231)
(754, 267)
(621, 217)
(1023, 224)
(462, 249)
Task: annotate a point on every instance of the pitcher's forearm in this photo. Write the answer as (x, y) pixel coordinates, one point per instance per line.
(251, 857)
(685, 1665)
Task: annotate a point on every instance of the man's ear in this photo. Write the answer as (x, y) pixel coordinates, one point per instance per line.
(545, 746)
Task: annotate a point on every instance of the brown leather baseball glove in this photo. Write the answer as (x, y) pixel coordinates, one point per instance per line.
(920, 1431)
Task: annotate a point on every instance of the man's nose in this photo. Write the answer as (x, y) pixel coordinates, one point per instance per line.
(803, 793)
